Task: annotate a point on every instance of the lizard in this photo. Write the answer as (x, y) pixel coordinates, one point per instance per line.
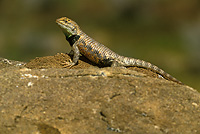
(99, 54)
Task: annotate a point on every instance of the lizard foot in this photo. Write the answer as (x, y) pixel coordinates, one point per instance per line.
(68, 64)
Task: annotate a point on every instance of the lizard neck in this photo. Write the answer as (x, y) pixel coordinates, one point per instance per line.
(72, 39)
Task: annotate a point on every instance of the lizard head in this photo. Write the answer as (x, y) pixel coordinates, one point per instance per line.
(68, 26)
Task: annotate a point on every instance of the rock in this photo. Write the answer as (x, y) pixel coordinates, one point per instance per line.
(41, 97)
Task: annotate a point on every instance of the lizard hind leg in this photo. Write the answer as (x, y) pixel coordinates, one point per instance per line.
(116, 64)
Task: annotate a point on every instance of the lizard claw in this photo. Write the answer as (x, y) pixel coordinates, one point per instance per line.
(68, 64)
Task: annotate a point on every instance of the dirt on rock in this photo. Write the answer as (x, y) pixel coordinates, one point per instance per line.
(59, 60)
(42, 97)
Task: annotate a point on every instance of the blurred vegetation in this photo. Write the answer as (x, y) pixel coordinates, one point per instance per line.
(166, 33)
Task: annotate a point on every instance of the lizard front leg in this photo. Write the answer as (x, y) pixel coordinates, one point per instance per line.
(76, 54)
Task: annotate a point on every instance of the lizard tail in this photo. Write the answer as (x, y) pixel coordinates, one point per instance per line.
(140, 63)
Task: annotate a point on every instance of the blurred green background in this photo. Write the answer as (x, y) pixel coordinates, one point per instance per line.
(163, 32)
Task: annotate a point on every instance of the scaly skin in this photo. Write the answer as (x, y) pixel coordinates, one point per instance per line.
(97, 52)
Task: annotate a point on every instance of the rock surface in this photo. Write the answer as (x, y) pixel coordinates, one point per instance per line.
(42, 97)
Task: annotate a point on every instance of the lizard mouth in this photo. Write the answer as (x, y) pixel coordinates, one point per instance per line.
(59, 22)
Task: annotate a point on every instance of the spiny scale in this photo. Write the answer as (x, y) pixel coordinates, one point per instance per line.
(98, 53)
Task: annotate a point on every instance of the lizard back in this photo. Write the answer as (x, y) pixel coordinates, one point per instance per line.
(95, 51)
